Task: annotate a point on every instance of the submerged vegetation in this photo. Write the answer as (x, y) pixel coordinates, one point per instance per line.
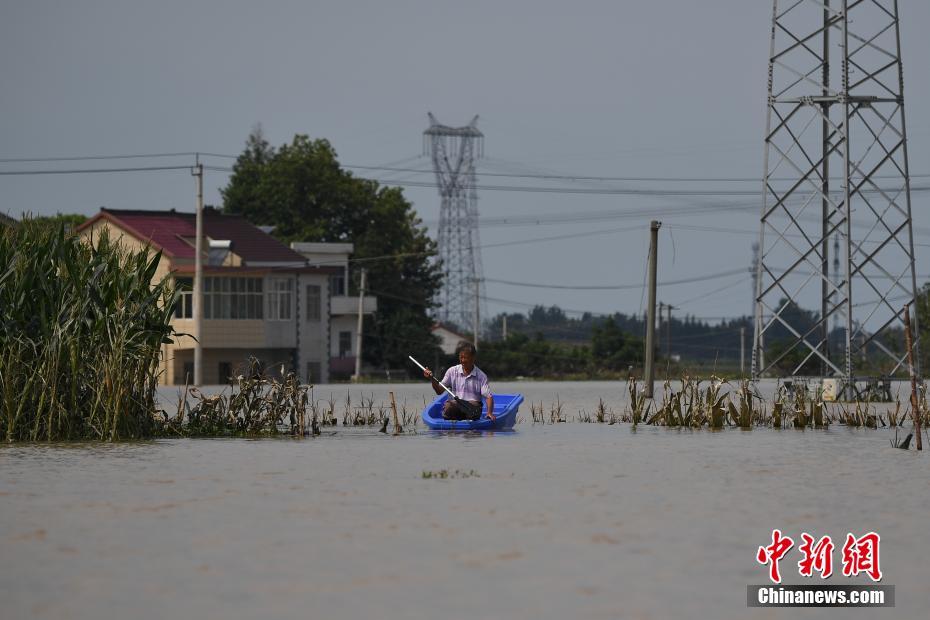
(719, 404)
(260, 405)
(444, 474)
(82, 328)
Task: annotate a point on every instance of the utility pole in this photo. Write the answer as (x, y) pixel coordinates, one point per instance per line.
(198, 277)
(505, 328)
(651, 309)
(477, 305)
(660, 318)
(668, 333)
(742, 351)
(361, 323)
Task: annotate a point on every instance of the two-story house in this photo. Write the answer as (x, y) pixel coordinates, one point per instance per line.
(343, 308)
(261, 298)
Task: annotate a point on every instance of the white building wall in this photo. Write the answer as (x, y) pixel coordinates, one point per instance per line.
(313, 333)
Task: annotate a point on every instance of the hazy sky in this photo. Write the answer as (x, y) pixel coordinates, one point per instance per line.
(612, 88)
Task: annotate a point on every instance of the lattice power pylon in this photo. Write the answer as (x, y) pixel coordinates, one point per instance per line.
(454, 151)
(835, 165)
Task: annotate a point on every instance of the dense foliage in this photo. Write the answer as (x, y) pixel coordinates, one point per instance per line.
(923, 321)
(615, 342)
(301, 190)
(610, 352)
(80, 338)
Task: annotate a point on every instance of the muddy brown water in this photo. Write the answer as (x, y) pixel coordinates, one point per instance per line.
(561, 521)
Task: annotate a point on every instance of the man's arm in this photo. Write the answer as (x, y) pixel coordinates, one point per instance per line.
(434, 382)
(488, 395)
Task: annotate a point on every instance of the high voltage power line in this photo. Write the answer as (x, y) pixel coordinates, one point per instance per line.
(528, 175)
(482, 187)
(505, 221)
(616, 287)
(91, 170)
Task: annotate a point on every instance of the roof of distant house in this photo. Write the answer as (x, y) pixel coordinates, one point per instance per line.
(173, 232)
(442, 326)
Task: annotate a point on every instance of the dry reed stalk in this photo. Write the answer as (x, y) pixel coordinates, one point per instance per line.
(397, 428)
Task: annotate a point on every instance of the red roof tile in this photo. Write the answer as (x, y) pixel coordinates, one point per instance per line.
(168, 229)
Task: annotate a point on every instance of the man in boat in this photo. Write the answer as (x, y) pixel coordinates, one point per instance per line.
(467, 382)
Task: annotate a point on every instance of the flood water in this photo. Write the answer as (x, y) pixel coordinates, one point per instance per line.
(561, 521)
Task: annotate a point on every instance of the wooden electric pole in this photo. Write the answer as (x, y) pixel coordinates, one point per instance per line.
(651, 309)
(198, 278)
(361, 323)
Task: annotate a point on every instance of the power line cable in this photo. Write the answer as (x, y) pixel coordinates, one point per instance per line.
(91, 170)
(713, 292)
(615, 287)
(503, 188)
(585, 177)
(6, 160)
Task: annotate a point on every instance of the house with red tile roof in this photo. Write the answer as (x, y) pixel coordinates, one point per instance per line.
(261, 298)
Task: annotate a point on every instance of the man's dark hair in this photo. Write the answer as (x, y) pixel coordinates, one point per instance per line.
(466, 346)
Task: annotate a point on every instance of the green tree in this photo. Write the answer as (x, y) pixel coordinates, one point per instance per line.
(302, 191)
(614, 349)
(69, 221)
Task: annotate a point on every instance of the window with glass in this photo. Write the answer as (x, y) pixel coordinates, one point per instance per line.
(314, 301)
(313, 371)
(345, 344)
(280, 298)
(185, 307)
(225, 372)
(232, 298)
(337, 284)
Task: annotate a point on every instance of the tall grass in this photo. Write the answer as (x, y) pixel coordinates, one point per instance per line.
(81, 330)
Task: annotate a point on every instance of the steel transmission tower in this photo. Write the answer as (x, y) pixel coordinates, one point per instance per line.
(454, 151)
(835, 164)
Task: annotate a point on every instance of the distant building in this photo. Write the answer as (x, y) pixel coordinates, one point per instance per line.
(449, 339)
(343, 308)
(261, 298)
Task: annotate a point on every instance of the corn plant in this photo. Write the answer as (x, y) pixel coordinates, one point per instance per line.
(83, 324)
(639, 404)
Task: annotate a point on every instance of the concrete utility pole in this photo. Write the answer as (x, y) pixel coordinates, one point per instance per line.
(742, 351)
(361, 323)
(660, 319)
(505, 328)
(668, 332)
(477, 305)
(198, 277)
(651, 309)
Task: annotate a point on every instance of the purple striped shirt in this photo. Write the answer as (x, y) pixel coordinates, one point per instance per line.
(473, 386)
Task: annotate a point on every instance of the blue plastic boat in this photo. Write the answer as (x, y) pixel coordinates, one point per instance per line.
(505, 411)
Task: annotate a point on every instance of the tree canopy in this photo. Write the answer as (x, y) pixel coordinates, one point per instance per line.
(302, 191)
